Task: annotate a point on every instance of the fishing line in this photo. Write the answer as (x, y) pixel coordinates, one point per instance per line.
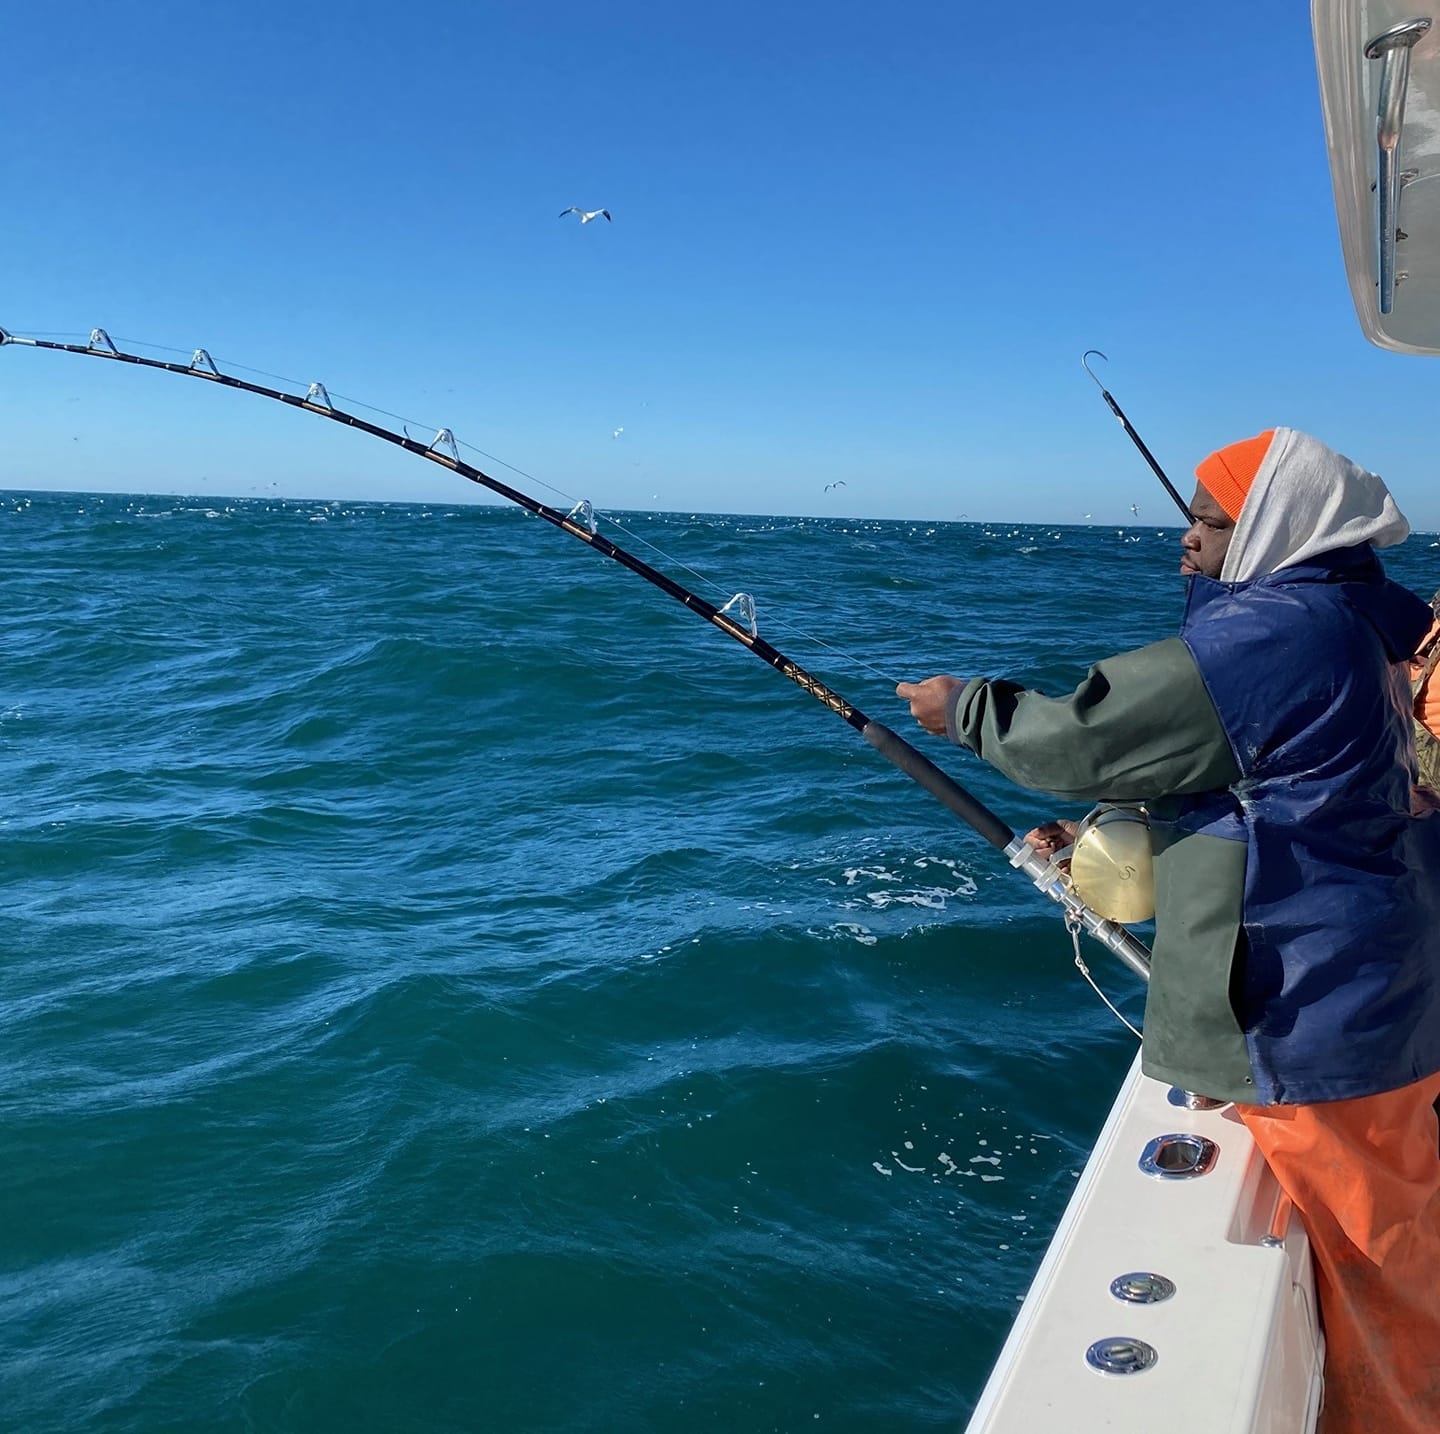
(780, 620)
(610, 518)
(580, 523)
(600, 514)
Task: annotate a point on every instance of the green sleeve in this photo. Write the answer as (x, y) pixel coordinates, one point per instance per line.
(1140, 726)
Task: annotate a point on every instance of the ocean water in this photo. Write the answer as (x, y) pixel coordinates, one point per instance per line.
(449, 987)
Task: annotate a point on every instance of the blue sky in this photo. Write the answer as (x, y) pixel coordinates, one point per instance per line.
(850, 242)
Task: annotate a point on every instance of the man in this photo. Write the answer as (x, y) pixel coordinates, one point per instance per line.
(1296, 964)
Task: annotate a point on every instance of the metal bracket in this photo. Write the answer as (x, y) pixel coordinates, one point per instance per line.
(99, 339)
(203, 363)
(444, 442)
(585, 512)
(744, 606)
(316, 394)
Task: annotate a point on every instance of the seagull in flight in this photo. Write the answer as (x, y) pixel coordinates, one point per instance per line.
(838, 483)
(586, 215)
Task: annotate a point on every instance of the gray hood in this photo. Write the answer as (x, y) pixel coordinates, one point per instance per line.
(1307, 499)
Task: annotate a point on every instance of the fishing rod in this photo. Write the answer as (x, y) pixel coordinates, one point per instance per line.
(1135, 438)
(580, 523)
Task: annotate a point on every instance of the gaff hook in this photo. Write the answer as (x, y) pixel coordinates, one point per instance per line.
(1085, 364)
(1135, 438)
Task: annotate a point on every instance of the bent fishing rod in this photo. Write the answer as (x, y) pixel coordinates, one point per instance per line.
(580, 523)
(1135, 438)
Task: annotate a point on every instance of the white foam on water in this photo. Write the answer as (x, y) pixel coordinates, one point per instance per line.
(852, 874)
(932, 898)
(855, 932)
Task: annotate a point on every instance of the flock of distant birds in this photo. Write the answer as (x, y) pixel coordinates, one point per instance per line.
(586, 215)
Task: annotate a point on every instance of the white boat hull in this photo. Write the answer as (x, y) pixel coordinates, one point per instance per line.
(1237, 1346)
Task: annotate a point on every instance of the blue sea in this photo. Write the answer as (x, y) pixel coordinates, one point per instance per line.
(447, 986)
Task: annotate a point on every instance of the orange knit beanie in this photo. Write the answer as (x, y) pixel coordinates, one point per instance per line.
(1228, 472)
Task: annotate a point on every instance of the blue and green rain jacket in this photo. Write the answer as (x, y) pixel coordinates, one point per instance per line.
(1296, 955)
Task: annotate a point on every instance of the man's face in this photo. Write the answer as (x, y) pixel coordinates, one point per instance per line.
(1207, 540)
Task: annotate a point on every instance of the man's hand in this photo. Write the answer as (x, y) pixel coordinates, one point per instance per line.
(1052, 837)
(927, 701)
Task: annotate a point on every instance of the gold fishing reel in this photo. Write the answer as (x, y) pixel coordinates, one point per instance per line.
(1112, 864)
